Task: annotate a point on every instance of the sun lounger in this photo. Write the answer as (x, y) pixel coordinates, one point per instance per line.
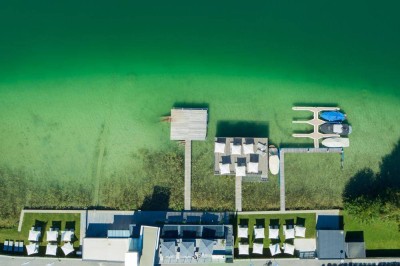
(5, 248)
(16, 246)
(10, 245)
(21, 246)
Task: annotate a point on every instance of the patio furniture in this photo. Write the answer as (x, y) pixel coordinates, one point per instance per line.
(243, 232)
(224, 169)
(51, 249)
(258, 248)
(67, 248)
(300, 231)
(16, 246)
(248, 148)
(67, 235)
(52, 236)
(273, 232)
(240, 170)
(34, 235)
(32, 248)
(236, 149)
(275, 249)
(243, 249)
(252, 168)
(288, 232)
(288, 249)
(259, 232)
(219, 147)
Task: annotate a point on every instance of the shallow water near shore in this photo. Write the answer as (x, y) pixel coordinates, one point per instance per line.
(79, 78)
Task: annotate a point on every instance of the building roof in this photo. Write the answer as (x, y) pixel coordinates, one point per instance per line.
(355, 250)
(188, 124)
(330, 244)
(150, 245)
(105, 249)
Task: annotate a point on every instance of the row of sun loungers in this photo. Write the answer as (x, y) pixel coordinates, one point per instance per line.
(290, 232)
(258, 248)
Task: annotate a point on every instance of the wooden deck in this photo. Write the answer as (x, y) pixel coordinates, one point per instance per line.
(262, 159)
(282, 166)
(188, 173)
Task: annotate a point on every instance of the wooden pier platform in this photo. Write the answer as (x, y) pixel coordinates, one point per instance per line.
(315, 122)
(188, 174)
(282, 166)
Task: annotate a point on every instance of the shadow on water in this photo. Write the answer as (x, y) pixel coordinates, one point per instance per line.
(242, 129)
(159, 200)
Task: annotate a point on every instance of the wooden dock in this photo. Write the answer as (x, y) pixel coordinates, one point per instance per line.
(282, 166)
(315, 122)
(188, 173)
(238, 193)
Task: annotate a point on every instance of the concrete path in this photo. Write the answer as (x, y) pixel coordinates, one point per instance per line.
(238, 193)
(188, 174)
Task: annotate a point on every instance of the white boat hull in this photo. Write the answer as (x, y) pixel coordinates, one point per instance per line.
(336, 142)
(274, 164)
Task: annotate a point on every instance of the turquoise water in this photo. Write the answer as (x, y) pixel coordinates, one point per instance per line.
(69, 70)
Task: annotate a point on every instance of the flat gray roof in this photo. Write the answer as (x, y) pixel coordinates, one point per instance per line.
(330, 244)
(188, 124)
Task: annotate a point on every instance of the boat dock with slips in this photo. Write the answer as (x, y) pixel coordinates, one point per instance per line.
(315, 122)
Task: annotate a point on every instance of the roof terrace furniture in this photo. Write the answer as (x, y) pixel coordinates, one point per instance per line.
(243, 232)
(32, 248)
(258, 248)
(259, 232)
(275, 249)
(67, 248)
(273, 232)
(51, 249)
(243, 249)
(67, 235)
(300, 231)
(252, 168)
(288, 249)
(52, 236)
(219, 147)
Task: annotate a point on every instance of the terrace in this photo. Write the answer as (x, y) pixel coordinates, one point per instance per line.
(241, 157)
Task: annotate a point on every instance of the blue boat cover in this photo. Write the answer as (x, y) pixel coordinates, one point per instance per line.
(333, 116)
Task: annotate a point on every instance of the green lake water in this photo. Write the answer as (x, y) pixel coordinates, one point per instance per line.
(76, 76)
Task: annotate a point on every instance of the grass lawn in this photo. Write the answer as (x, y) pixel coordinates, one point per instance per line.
(44, 220)
(378, 234)
(310, 223)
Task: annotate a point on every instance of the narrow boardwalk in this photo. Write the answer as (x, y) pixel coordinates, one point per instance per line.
(238, 193)
(282, 166)
(188, 174)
